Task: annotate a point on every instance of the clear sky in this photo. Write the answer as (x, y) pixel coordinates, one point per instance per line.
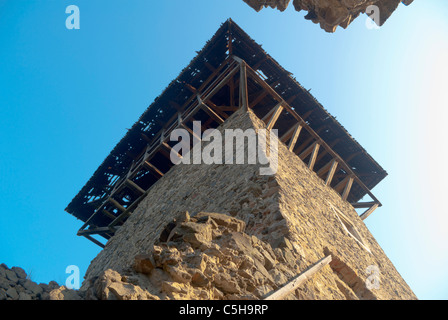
(67, 97)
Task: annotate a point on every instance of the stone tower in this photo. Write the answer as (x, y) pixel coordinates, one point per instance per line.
(220, 230)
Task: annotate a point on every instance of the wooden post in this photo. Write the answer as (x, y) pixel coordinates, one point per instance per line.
(292, 285)
(369, 211)
(313, 156)
(116, 204)
(347, 188)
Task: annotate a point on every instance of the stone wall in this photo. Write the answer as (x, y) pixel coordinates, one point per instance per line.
(291, 220)
(332, 13)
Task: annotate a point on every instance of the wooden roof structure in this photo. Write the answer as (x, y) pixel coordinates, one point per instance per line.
(230, 72)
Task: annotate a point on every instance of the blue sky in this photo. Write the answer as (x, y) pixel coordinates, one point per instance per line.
(67, 97)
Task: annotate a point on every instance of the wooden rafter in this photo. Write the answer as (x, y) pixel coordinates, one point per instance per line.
(369, 211)
(273, 119)
(347, 188)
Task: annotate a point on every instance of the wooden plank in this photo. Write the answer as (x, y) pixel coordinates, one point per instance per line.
(369, 211)
(347, 188)
(331, 172)
(295, 283)
(295, 136)
(313, 157)
(278, 110)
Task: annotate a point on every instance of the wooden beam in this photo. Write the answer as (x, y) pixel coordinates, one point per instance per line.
(107, 213)
(134, 185)
(255, 77)
(308, 150)
(334, 165)
(295, 283)
(145, 137)
(97, 230)
(232, 92)
(221, 84)
(227, 108)
(191, 88)
(295, 136)
(94, 241)
(195, 136)
(347, 188)
(369, 211)
(312, 160)
(167, 147)
(278, 110)
(288, 134)
(324, 169)
(341, 185)
(220, 111)
(268, 115)
(210, 111)
(117, 205)
(358, 205)
(258, 99)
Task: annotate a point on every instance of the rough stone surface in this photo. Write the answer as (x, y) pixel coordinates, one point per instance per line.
(333, 13)
(15, 285)
(227, 232)
(244, 236)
